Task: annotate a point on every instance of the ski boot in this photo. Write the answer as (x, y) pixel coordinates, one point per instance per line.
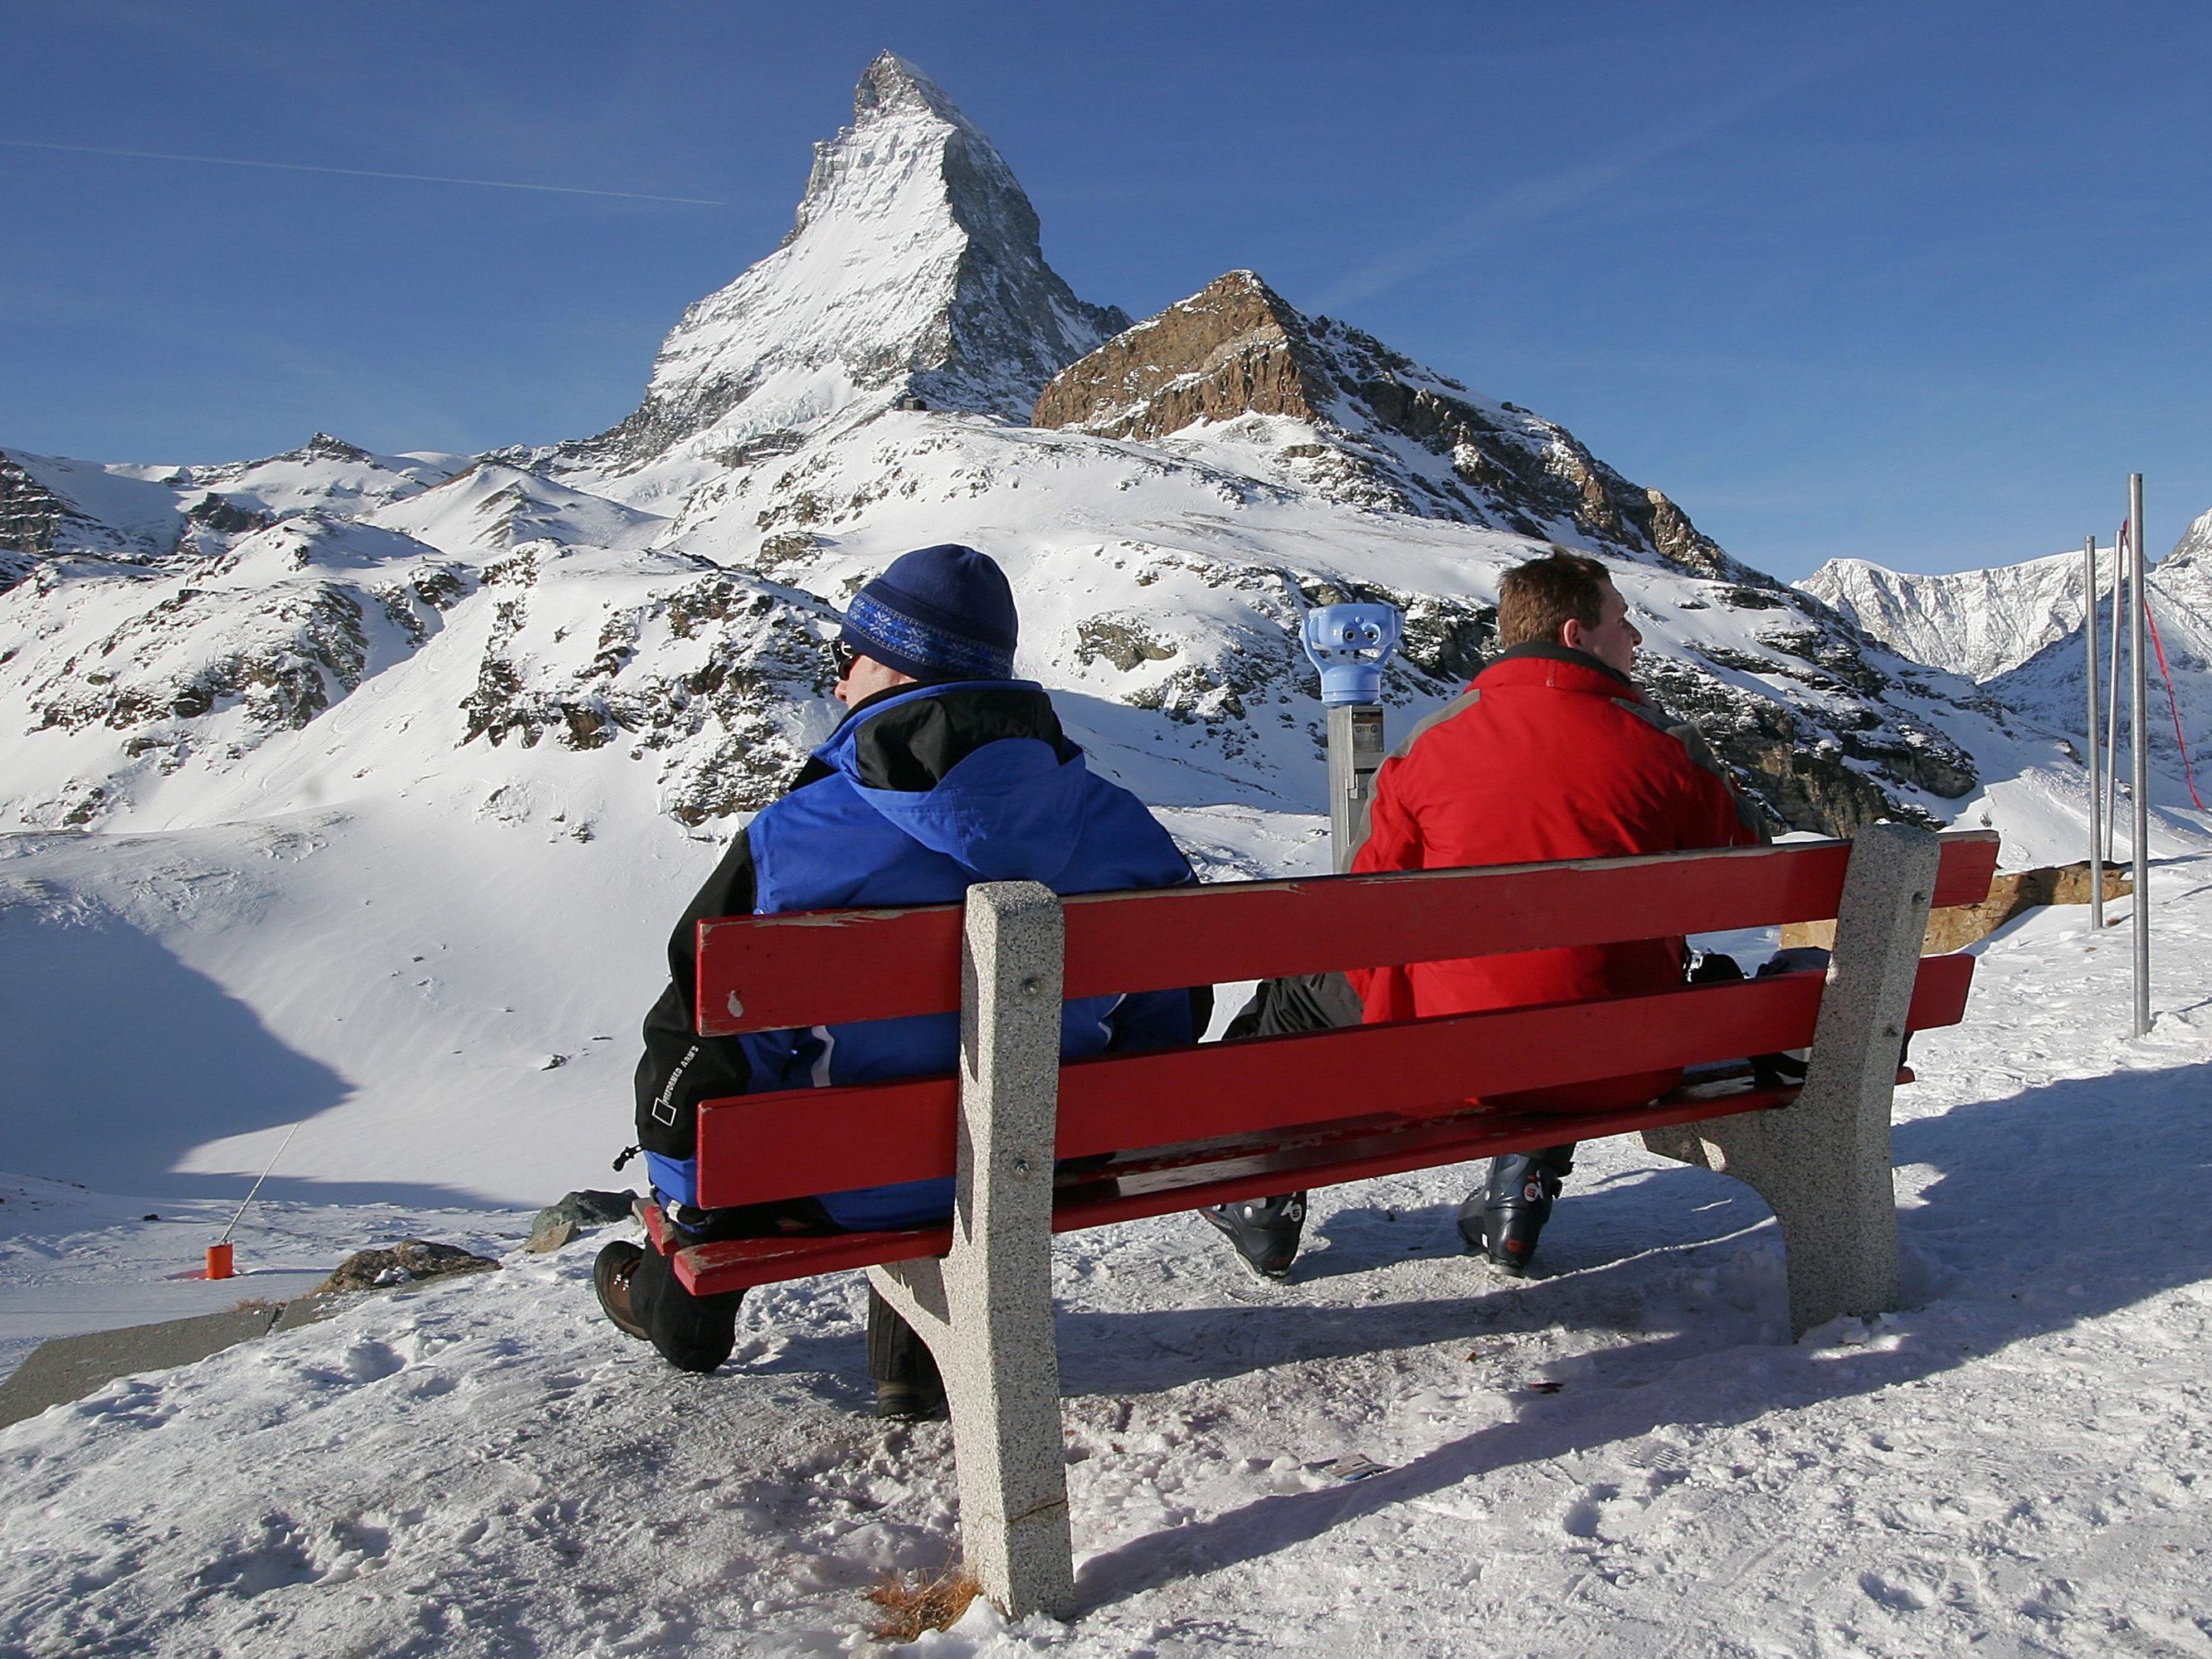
(639, 1293)
(1265, 1231)
(1500, 1222)
(909, 1388)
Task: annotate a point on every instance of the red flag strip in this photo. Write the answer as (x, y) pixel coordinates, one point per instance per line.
(2188, 772)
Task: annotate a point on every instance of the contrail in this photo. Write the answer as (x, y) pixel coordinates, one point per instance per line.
(352, 172)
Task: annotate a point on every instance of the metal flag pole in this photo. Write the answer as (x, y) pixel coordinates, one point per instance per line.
(2140, 753)
(2096, 766)
(2113, 702)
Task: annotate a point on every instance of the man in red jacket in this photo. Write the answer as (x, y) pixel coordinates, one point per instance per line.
(1552, 753)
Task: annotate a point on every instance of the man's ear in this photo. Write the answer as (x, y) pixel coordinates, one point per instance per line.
(1571, 633)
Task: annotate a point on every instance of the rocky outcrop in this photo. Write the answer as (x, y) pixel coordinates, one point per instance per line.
(1228, 350)
(280, 658)
(29, 515)
(577, 1211)
(36, 522)
(404, 1263)
(1392, 433)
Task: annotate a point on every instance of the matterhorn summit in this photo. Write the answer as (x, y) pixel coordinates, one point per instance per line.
(914, 271)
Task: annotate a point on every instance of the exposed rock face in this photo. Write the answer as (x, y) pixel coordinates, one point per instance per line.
(225, 517)
(40, 517)
(1823, 774)
(914, 271)
(29, 515)
(1237, 348)
(1225, 352)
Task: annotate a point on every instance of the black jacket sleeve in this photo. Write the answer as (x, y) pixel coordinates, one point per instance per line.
(680, 1068)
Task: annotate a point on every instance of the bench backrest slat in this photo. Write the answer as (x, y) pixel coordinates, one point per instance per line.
(760, 1147)
(824, 968)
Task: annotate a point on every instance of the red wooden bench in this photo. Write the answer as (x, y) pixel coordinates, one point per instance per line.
(1206, 1124)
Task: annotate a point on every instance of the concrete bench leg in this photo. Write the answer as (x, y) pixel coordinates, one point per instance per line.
(985, 1309)
(1823, 1162)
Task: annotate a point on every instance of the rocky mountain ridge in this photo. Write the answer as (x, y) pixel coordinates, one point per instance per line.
(1387, 434)
(2018, 630)
(1977, 623)
(1985, 624)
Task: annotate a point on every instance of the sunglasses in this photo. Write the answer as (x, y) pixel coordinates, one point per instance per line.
(843, 656)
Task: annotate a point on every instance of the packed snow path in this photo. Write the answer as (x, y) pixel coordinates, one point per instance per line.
(1619, 1457)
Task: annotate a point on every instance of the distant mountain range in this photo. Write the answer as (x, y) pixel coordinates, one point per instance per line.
(2018, 631)
(637, 620)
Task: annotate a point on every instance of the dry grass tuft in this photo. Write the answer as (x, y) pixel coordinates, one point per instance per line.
(927, 1603)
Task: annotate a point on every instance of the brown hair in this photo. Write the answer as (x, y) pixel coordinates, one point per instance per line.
(1538, 599)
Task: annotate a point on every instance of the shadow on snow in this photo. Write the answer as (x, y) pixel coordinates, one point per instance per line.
(2023, 1233)
(120, 1060)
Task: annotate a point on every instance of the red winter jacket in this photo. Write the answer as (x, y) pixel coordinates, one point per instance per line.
(1549, 755)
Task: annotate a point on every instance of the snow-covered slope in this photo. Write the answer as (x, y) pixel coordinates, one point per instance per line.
(1621, 1456)
(1974, 623)
(1983, 623)
(2048, 686)
(51, 505)
(2018, 630)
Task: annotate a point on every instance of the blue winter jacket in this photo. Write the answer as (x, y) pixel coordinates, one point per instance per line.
(918, 794)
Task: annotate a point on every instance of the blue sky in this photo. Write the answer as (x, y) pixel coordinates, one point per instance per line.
(1915, 282)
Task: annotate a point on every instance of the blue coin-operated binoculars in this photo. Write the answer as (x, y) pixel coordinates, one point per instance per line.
(1350, 645)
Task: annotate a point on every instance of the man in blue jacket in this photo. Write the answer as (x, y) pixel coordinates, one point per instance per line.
(946, 771)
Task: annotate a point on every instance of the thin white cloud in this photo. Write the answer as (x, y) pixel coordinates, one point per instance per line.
(350, 172)
(1548, 195)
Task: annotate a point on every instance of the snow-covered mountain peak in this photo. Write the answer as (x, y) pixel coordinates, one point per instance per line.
(2195, 545)
(1985, 623)
(913, 269)
(891, 83)
(492, 506)
(1979, 624)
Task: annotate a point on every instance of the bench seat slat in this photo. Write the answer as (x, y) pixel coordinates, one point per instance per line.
(757, 1148)
(764, 973)
(1173, 1179)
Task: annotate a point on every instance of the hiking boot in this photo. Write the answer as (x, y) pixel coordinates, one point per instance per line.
(909, 1402)
(1501, 1222)
(1265, 1231)
(611, 1275)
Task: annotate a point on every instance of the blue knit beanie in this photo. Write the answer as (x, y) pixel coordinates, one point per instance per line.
(938, 613)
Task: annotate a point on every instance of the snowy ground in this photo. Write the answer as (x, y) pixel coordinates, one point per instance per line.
(1622, 1457)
